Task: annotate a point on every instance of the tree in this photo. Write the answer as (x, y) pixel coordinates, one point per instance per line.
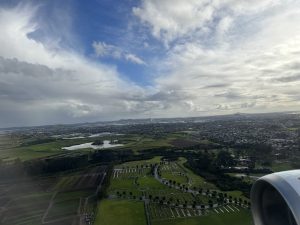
(97, 142)
(224, 159)
(200, 190)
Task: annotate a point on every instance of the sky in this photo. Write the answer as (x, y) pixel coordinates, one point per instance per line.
(77, 61)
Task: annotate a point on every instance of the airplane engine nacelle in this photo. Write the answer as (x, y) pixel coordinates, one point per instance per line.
(275, 199)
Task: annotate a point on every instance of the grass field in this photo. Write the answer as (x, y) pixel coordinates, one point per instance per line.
(31, 209)
(176, 171)
(241, 218)
(139, 163)
(52, 200)
(28, 209)
(64, 208)
(134, 181)
(177, 139)
(28, 148)
(277, 166)
(120, 212)
(16, 147)
(134, 176)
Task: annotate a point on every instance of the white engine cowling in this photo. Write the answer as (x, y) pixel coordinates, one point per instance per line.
(275, 199)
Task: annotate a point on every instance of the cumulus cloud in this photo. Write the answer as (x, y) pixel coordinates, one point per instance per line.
(219, 57)
(252, 53)
(102, 49)
(40, 84)
(170, 20)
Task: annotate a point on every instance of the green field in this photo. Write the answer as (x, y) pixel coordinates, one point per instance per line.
(281, 166)
(28, 148)
(194, 179)
(178, 173)
(34, 147)
(144, 142)
(115, 212)
(51, 200)
(241, 218)
(139, 163)
(135, 182)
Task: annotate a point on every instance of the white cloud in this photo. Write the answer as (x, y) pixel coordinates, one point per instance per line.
(170, 20)
(222, 57)
(253, 54)
(39, 84)
(133, 58)
(102, 49)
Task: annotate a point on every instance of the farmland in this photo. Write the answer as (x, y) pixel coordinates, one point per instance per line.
(66, 199)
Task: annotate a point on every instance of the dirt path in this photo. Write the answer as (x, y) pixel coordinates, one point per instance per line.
(49, 207)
